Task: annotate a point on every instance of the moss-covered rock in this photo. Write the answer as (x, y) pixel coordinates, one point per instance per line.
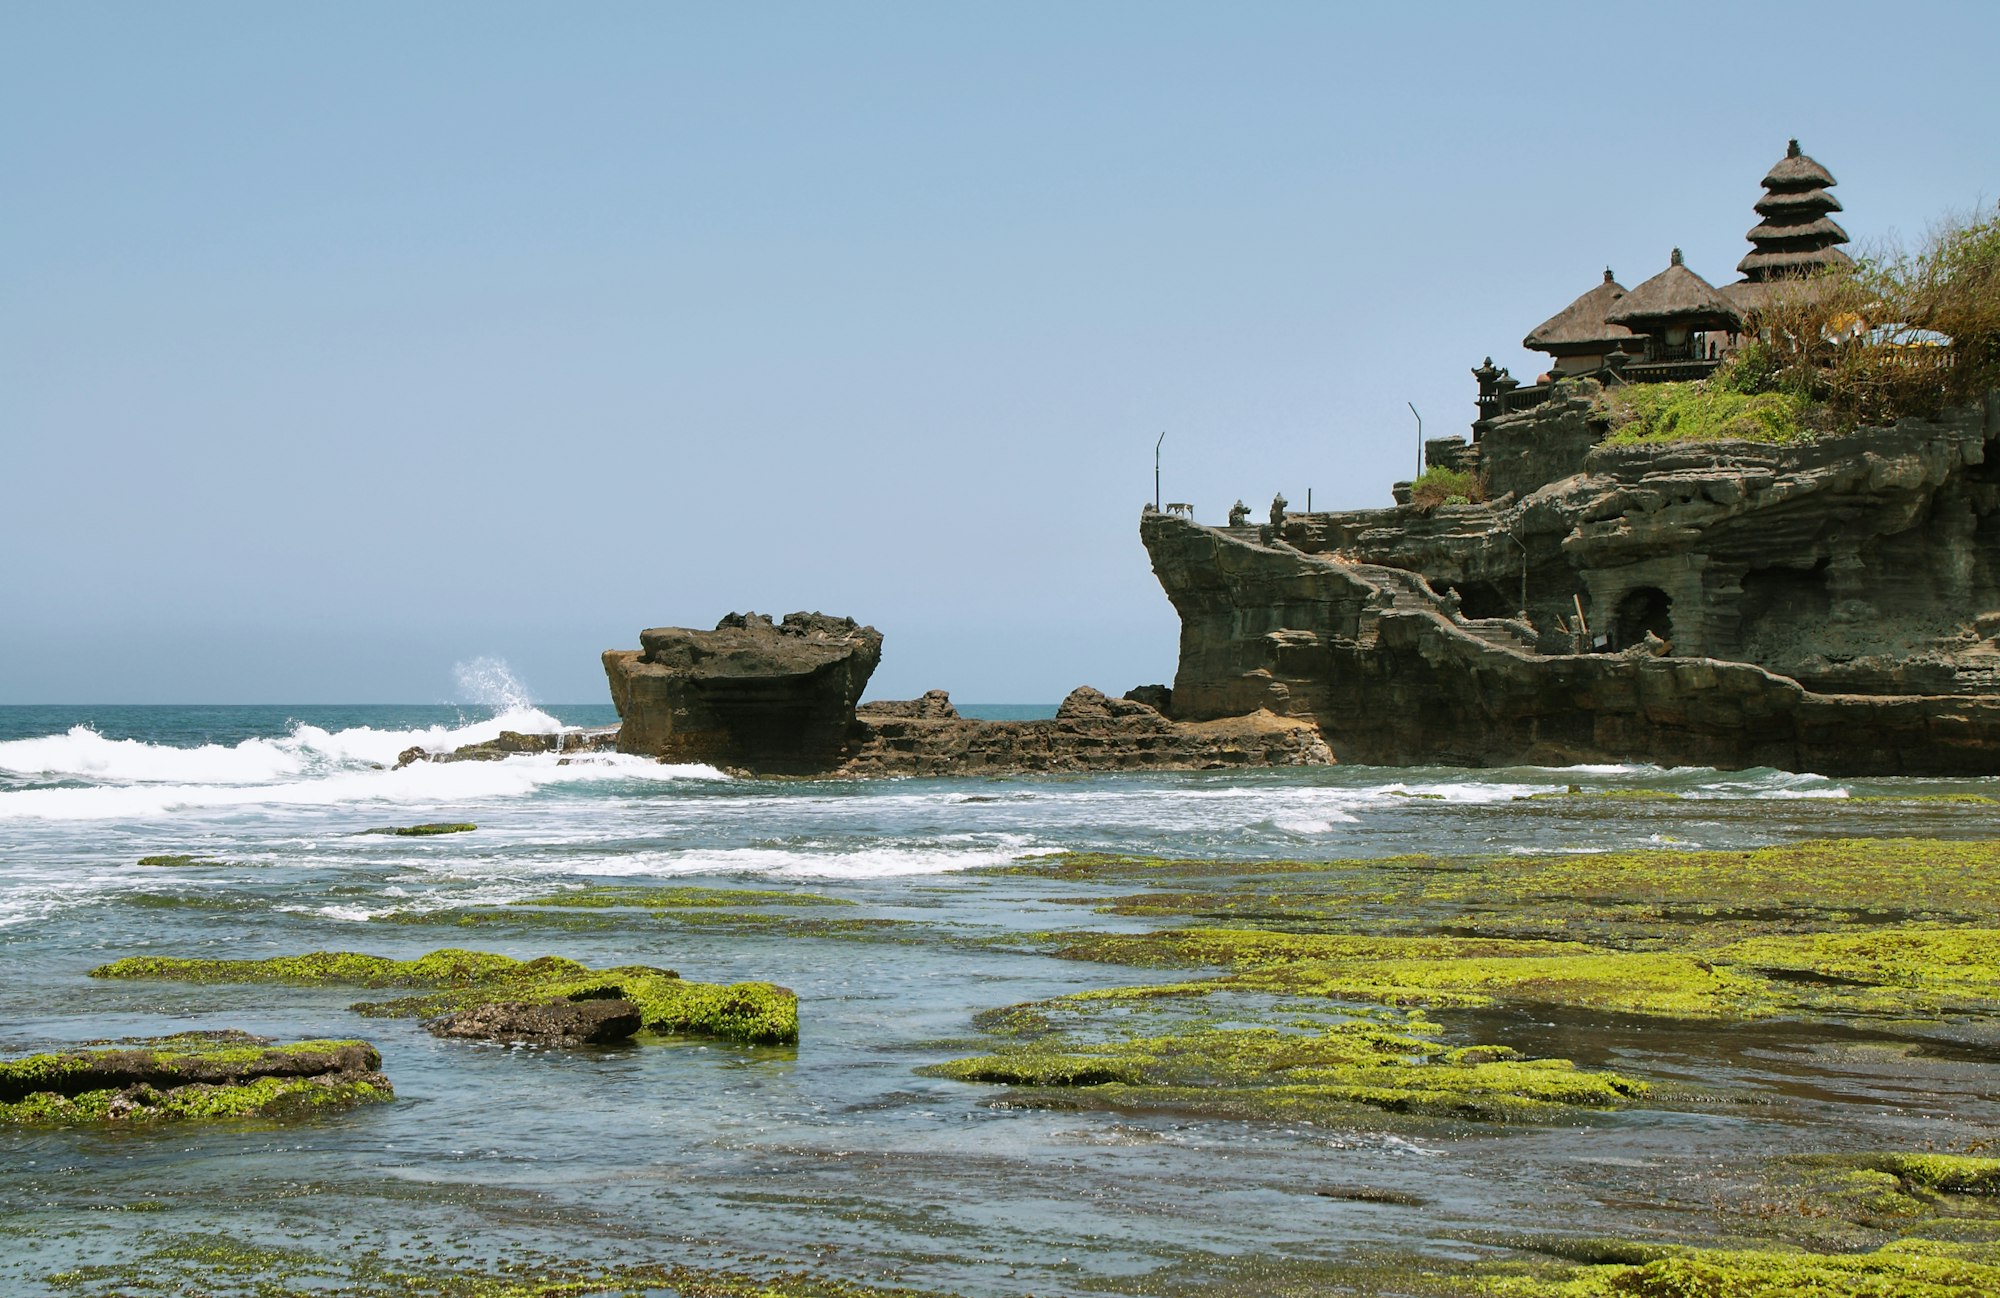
(753, 1012)
(192, 1075)
(425, 831)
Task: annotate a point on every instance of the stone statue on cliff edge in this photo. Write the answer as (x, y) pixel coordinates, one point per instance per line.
(1278, 503)
(1239, 514)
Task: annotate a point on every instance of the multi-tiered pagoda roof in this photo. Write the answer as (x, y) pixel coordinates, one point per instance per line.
(1796, 237)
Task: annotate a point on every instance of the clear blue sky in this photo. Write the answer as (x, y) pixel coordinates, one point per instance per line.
(339, 343)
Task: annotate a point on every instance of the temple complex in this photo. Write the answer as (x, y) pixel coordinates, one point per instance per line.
(1830, 604)
(1676, 326)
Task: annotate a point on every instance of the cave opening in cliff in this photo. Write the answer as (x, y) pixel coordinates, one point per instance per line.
(1486, 599)
(1645, 608)
(1784, 611)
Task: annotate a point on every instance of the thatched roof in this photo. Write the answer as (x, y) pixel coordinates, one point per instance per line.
(1754, 297)
(1796, 171)
(1819, 233)
(1806, 203)
(1580, 328)
(1676, 296)
(1764, 265)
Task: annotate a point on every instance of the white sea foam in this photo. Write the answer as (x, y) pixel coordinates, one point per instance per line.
(421, 784)
(83, 754)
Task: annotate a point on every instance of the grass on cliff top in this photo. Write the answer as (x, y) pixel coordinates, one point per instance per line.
(1440, 486)
(1707, 410)
(753, 1012)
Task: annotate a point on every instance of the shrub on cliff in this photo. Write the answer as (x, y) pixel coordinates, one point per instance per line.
(1905, 333)
(1437, 486)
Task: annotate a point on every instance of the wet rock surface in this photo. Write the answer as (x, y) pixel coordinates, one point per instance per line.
(189, 1075)
(768, 697)
(1090, 732)
(543, 1023)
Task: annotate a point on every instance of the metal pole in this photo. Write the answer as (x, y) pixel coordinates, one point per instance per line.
(1156, 472)
(1420, 437)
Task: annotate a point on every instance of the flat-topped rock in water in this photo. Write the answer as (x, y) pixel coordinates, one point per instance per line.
(190, 1075)
(764, 697)
(557, 1022)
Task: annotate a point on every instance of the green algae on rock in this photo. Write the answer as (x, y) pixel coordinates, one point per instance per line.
(601, 896)
(179, 862)
(1318, 1074)
(751, 1012)
(424, 831)
(219, 1266)
(1915, 1268)
(189, 1076)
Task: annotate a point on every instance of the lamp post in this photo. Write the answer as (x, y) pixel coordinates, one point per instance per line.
(1156, 472)
(1420, 437)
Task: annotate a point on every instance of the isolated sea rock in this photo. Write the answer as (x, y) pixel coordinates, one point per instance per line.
(763, 697)
(190, 1075)
(557, 1022)
(511, 743)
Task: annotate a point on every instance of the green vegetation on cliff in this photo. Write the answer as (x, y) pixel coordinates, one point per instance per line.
(1707, 410)
(752, 1012)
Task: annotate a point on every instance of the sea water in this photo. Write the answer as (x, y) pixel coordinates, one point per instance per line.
(834, 1155)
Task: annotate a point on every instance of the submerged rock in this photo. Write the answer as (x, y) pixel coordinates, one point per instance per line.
(451, 979)
(191, 1075)
(764, 697)
(557, 1022)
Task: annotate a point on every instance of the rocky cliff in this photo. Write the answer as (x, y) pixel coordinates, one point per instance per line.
(1828, 606)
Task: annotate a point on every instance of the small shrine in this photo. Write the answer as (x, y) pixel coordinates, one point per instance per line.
(1685, 321)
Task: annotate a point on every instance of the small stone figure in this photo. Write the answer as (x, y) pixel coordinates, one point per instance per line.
(1450, 602)
(1239, 514)
(1278, 503)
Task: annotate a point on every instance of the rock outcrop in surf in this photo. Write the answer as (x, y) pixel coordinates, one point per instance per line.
(768, 698)
(775, 698)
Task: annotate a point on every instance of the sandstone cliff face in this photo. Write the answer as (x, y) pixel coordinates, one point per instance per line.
(772, 698)
(1826, 607)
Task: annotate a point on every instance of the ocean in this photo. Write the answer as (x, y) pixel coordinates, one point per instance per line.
(834, 1156)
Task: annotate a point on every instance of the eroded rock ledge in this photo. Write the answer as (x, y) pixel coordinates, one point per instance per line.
(767, 698)
(1090, 732)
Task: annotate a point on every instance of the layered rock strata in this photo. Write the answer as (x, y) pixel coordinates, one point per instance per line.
(1828, 607)
(1089, 732)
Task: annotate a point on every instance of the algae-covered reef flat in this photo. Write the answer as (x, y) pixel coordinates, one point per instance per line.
(450, 979)
(1339, 980)
(193, 1075)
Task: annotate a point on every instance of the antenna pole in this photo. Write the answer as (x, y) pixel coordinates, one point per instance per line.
(1156, 472)
(1420, 437)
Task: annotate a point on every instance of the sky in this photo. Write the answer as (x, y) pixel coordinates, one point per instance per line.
(340, 344)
